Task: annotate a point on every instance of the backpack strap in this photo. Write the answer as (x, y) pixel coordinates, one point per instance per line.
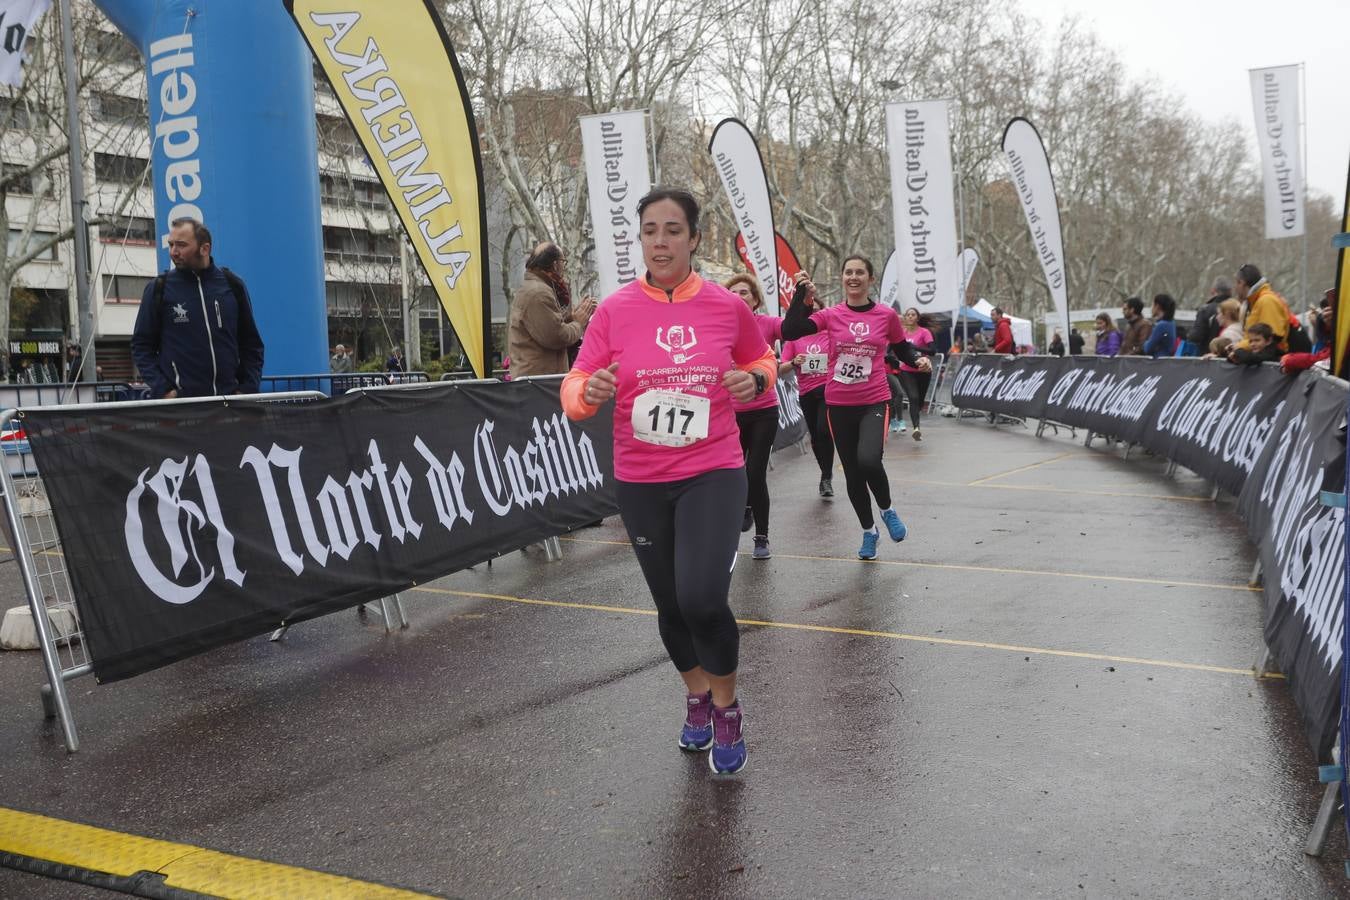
(236, 286)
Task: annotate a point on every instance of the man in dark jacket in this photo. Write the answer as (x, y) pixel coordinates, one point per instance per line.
(195, 335)
(1205, 329)
(1137, 328)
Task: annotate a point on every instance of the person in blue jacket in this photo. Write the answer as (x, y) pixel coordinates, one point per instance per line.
(1162, 339)
(195, 335)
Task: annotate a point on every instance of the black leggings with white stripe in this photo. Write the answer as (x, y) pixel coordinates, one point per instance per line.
(685, 535)
(860, 436)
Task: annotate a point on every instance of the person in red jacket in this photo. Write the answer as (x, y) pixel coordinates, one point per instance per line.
(1003, 336)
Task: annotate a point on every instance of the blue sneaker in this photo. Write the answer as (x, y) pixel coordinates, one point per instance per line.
(697, 733)
(896, 528)
(869, 545)
(728, 746)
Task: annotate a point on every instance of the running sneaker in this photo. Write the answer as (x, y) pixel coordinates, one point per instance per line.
(898, 426)
(869, 544)
(697, 733)
(896, 528)
(826, 487)
(747, 520)
(728, 746)
(918, 435)
(761, 547)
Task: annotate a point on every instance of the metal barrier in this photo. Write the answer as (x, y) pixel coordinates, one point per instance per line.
(37, 548)
(497, 375)
(334, 385)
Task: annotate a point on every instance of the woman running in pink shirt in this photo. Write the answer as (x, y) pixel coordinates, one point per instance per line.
(857, 397)
(913, 379)
(673, 352)
(758, 420)
(811, 357)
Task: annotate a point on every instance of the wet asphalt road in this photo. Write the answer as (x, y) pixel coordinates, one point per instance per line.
(937, 742)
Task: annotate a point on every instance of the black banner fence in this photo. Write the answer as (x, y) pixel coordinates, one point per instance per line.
(791, 424)
(1263, 436)
(188, 526)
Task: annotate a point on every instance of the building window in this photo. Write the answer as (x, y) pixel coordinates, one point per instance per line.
(336, 136)
(113, 46)
(20, 180)
(15, 115)
(343, 190)
(113, 169)
(115, 109)
(128, 230)
(18, 245)
(124, 288)
(356, 245)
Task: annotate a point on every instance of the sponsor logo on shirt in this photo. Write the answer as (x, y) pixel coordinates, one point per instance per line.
(860, 330)
(179, 314)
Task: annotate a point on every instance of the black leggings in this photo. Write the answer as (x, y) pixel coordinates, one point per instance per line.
(860, 435)
(758, 429)
(818, 427)
(916, 388)
(685, 535)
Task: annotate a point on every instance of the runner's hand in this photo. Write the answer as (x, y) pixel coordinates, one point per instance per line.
(803, 278)
(924, 364)
(799, 360)
(740, 384)
(602, 385)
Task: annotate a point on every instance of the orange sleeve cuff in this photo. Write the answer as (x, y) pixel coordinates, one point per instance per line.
(766, 365)
(573, 396)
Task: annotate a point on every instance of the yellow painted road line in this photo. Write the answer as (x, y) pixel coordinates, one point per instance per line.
(864, 632)
(1027, 468)
(992, 570)
(188, 868)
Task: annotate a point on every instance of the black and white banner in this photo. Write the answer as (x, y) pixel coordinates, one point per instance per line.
(188, 527)
(1276, 108)
(1262, 435)
(741, 168)
(614, 149)
(1029, 164)
(791, 423)
(918, 140)
(18, 18)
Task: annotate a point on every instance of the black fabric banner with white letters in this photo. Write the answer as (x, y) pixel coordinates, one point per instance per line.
(1263, 436)
(186, 527)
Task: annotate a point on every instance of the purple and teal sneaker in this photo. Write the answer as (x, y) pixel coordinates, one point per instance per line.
(728, 746)
(697, 733)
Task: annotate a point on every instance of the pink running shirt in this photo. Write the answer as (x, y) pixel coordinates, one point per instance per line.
(858, 355)
(816, 348)
(920, 337)
(771, 329)
(672, 348)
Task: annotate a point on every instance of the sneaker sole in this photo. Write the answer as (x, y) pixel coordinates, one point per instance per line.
(717, 771)
(694, 748)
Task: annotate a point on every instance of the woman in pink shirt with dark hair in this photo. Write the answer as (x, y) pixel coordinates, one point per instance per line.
(758, 420)
(674, 353)
(857, 396)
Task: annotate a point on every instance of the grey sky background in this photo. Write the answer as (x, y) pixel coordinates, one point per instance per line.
(1201, 50)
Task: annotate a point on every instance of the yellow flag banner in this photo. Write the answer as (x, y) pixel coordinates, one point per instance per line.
(1342, 315)
(395, 74)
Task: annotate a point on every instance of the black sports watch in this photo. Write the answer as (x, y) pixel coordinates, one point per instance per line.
(761, 383)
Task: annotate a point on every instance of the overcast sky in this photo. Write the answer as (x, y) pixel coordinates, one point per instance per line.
(1202, 50)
